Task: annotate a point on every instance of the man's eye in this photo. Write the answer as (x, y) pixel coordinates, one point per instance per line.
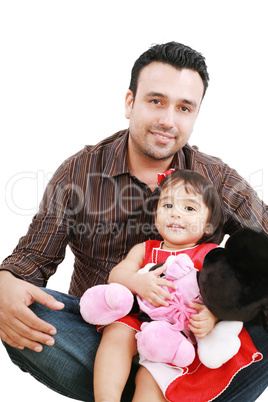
(185, 109)
(155, 101)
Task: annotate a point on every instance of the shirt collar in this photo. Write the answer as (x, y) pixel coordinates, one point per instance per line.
(116, 158)
(178, 161)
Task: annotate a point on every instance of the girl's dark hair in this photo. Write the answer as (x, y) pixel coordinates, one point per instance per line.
(175, 54)
(196, 183)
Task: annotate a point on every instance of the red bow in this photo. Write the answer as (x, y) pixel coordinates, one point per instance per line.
(161, 176)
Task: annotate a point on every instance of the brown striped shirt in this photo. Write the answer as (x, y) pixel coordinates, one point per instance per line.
(94, 205)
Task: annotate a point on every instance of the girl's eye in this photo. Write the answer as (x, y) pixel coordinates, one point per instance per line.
(168, 206)
(190, 209)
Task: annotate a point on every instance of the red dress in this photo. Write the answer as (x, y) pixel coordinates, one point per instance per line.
(154, 254)
(195, 383)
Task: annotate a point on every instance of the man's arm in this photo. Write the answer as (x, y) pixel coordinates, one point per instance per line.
(42, 249)
(34, 260)
(242, 206)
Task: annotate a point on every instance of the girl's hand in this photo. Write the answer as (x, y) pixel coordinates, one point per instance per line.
(203, 322)
(149, 287)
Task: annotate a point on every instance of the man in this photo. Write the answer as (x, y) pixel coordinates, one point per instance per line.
(98, 202)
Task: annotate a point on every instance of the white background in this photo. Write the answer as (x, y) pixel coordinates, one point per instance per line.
(64, 71)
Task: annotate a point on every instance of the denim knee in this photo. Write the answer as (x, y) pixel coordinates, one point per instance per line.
(67, 366)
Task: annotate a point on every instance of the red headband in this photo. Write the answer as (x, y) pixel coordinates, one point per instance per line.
(161, 176)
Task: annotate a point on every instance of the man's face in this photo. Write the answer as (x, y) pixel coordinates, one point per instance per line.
(163, 113)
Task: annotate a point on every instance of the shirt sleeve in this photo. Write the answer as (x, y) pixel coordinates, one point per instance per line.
(242, 206)
(39, 252)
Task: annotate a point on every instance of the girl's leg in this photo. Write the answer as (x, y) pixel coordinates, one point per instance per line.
(113, 362)
(147, 389)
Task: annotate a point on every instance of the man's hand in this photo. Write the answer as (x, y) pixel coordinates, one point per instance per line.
(203, 322)
(149, 287)
(19, 326)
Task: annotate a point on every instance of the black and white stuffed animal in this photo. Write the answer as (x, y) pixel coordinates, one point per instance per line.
(234, 286)
(234, 279)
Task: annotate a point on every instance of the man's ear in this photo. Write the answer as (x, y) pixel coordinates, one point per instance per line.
(128, 103)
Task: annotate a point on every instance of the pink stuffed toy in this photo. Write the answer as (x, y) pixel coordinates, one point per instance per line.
(104, 304)
(167, 338)
(161, 340)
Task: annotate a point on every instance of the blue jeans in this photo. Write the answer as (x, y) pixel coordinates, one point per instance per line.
(67, 367)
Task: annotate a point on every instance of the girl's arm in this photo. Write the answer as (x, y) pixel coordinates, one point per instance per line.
(147, 286)
(203, 322)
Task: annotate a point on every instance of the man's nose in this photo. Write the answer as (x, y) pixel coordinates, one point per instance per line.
(167, 117)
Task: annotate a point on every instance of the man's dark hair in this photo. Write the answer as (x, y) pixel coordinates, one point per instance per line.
(174, 54)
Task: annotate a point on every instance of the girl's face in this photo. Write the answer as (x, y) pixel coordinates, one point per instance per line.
(181, 217)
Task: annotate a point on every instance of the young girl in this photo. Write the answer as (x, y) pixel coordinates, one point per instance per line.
(188, 217)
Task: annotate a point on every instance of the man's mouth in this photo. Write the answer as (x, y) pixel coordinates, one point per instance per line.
(161, 137)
